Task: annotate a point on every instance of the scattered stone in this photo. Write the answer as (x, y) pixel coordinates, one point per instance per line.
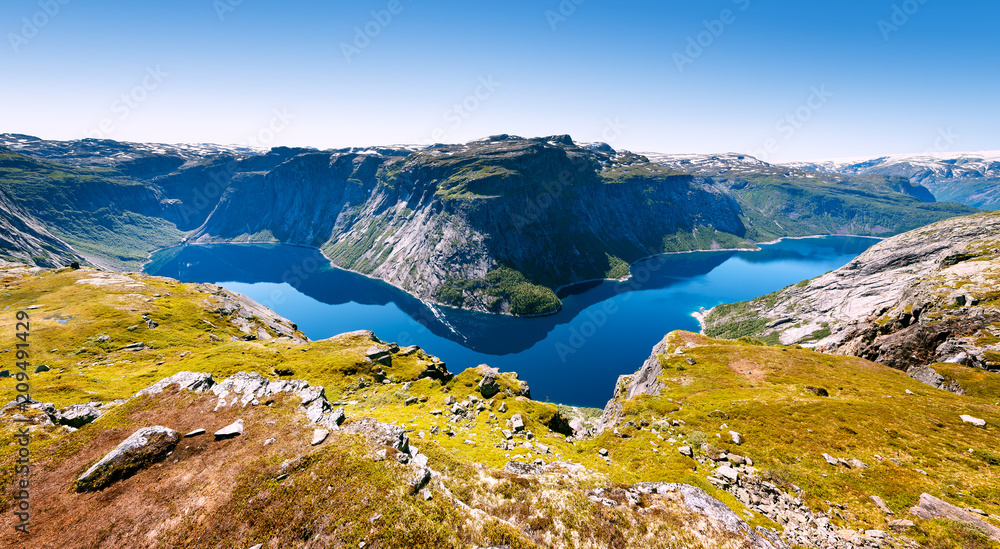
(199, 432)
(686, 450)
(426, 493)
(103, 338)
(319, 435)
(973, 420)
(411, 400)
(521, 468)
(4, 373)
(831, 460)
(503, 408)
(506, 434)
(267, 442)
(875, 534)
(881, 505)
(690, 361)
(736, 437)
(42, 368)
(517, 423)
(232, 430)
(857, 464)
(603, 452)
(141, 449)
(900, 525)
(450, 400)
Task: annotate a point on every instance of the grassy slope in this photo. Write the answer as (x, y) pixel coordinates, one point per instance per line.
(776, 206)
(786, 428)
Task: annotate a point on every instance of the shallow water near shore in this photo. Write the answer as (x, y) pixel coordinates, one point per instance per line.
(605, 328)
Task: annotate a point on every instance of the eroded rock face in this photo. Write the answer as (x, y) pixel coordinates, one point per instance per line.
(644, 382)
(143, 448)
(915, 299)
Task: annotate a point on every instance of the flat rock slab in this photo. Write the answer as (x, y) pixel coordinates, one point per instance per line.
(230, 431)
(195, 433)
(973, 420)
(141, 449)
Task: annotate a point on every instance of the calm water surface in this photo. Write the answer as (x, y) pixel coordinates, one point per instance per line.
(605, 329)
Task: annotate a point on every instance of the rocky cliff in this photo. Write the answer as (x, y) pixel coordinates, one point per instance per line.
(927, 296)
(494, 225)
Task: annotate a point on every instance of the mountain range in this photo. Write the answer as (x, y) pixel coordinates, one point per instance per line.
(495, 225)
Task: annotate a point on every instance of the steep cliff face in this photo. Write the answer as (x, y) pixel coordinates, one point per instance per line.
(927, 296)
(24, 239)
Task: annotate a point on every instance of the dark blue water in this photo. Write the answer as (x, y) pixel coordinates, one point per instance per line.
(605, 329)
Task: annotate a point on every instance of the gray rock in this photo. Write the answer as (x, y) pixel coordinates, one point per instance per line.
(930, 508)
(232, 430)
(900, 525)
(77, 415)
(686, 450)
(517, 423)
(379, 355)
(199, 432)
(503, 408)
(141, 449)
(831, 460)
(728, 473)
(603, 452)
(450, 399)
(736, 437)
(319, 435)
(196, 382)
(380, 434)
(488, 386)
(881, 505)
(42, 368)
(521, 468)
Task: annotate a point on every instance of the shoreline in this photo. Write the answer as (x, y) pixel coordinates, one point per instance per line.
(431, 305)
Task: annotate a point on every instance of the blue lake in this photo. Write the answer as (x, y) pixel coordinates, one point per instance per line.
(604, 329)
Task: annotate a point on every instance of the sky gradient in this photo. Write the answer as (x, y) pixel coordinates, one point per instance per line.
(782, 79)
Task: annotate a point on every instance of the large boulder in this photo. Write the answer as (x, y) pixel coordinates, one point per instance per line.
(77, 415)
(143, 448)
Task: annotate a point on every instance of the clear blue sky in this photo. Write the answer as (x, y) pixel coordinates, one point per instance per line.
(623, 71)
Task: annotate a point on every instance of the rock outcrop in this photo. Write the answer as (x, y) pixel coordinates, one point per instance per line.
(143, 448)
(930, 507)
(923, 297)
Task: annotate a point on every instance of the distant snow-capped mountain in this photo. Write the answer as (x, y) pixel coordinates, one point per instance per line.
(971, 178)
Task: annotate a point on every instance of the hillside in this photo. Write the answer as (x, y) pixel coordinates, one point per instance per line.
(924, 302)
(711, 444)
(495, 225)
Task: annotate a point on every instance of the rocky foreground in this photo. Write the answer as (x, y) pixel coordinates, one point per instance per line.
(181, 415)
